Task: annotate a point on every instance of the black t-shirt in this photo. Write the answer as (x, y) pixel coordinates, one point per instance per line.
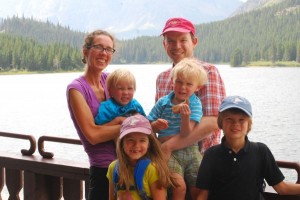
(240, 176)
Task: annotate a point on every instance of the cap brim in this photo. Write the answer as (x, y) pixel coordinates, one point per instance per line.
(176, 29)
(137, 129)
(243, 109)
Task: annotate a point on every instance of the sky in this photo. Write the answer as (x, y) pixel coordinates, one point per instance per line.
(70, 12)
(9, 7)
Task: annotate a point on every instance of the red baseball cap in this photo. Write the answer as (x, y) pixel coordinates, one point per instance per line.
(179, 25)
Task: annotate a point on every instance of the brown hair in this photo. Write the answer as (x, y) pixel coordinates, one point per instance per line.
(223, 114)
(89, 39)
(155, 154)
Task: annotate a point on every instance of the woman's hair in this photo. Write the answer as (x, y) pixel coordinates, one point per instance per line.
(190, 68)
(223, 114)
(155, 154)
(118, 75)
(89, 39)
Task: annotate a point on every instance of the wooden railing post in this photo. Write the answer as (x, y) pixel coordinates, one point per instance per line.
(1, 180)
(42, 187)
(14, 181)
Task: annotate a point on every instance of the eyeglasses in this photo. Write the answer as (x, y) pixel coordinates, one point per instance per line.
(100, 48)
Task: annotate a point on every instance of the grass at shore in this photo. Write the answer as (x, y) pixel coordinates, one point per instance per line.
(19, 72)
(276, 64)
(251, 64)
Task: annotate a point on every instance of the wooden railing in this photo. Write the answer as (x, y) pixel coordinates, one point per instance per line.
(43, 177)
(270, 194)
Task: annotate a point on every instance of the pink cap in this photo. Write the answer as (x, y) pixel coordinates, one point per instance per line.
(135, 123)
(179, 25)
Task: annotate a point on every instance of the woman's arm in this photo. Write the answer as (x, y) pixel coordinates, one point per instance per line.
(158, 193)
(116, 121)
(85, 120)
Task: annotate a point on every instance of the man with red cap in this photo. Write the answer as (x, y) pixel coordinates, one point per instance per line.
(179, 41)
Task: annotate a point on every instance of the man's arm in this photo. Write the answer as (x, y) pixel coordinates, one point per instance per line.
(206, 126)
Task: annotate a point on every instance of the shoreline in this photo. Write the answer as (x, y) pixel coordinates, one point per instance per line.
(272, 64)
(250, 64)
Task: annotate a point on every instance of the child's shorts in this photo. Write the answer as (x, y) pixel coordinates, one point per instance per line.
(186, 162)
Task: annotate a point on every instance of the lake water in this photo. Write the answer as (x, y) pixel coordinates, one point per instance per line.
(36, 105)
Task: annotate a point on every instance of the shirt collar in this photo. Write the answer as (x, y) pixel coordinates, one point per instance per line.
(244, 149)
(168, 98)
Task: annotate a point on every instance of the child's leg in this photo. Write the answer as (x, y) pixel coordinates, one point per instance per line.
(192, 163)
(178, 193)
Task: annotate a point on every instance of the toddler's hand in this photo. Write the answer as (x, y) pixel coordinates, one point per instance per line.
(185, 110)
(160, 124)
(177, 108)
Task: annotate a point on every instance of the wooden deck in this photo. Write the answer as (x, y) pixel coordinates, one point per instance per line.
(43, 177)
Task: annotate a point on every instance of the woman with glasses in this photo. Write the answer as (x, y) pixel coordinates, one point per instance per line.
(84, 96)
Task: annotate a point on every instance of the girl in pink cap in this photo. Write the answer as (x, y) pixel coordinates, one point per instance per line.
(141, 170)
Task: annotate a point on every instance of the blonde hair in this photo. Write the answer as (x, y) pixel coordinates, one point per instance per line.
(190, 68)
(118, 75)
(223, 114)
(155, 154)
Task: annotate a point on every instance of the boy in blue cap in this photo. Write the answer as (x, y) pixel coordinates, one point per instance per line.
(236, 168)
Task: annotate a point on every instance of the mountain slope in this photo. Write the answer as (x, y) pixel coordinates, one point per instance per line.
(252, 5)
(125, 18)
(270, 33)
(41, 32)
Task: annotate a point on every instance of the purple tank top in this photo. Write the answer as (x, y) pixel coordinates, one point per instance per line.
(102, 154)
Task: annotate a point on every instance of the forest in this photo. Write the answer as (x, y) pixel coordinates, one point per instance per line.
(268, 34)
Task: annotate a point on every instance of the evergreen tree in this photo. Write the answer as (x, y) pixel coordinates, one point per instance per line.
(236, 58)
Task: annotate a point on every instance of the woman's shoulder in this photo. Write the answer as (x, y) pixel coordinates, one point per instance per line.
(105, 74)
(78, 82)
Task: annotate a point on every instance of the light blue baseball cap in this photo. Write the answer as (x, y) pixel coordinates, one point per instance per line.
(236, 102)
